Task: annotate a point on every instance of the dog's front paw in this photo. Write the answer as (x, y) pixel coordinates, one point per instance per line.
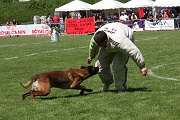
(87, 90)
(82, 92)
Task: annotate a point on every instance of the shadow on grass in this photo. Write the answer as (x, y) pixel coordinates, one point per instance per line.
(144, 89)
(68, 96)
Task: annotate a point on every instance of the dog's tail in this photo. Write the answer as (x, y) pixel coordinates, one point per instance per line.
(26, 85)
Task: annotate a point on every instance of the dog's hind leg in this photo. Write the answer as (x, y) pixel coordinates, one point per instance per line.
(25, 95)
(40, 87)
(30, 93)
(33, 94)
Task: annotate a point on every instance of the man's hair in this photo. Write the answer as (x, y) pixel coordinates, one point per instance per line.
(100, 37)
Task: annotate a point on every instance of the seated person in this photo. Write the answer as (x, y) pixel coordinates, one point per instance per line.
(159, 15)
(165, 15)
(14, 22)
(129, 17)
(115, 18)
(178, 21)
(150, 16)
(109, 17)
(134, 17)
(8, 23)
(123, 17)
(99, 21)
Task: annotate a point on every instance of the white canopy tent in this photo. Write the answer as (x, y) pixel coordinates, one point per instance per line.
(107, 5)
(138, 3)
(166, 3)
(75, 5)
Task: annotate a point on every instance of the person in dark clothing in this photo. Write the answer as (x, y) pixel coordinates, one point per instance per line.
(14, 22)
(159, 16)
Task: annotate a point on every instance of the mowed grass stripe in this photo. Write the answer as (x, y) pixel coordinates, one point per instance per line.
(147, 97)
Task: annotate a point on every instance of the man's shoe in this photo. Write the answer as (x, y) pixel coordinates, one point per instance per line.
(123, 89)
(105, 87)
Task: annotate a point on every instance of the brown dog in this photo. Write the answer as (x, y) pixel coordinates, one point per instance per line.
(65, 79)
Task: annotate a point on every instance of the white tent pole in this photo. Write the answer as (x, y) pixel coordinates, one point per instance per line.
(119, 12)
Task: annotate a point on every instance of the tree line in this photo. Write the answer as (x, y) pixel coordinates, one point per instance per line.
(24, 12)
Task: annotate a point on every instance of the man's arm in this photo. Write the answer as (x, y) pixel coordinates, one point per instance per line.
(127, 46)
(135, 54)
(93, 50)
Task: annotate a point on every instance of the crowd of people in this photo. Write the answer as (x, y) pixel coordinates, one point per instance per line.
(128, 15)
(142, 13)
(53, 21)
(10, 23)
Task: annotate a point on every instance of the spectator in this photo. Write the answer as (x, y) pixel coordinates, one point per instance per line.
(159, 15)
(96, 16)
(100, 19)
(150, 16)
(129, 11)
(146, 12)
(14, 22)
(116, 17)
(169, 11)
(8, 23)
(56, 20)
(178, 21)
(50, 21)
(141, 13)
(77, 15)
(123, 17)
(109, 17)
(165, 16)
(129, 17)
(72, 16)
(134, 17)
(171, 15)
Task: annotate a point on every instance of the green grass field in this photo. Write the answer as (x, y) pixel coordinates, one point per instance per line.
(154, 97)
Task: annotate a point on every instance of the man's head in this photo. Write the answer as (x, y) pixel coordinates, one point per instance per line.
(101, 38)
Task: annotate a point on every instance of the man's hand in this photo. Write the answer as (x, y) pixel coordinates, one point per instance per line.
(144, 71)
(89, 60)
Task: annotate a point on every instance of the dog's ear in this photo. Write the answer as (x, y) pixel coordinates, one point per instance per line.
(82, 67)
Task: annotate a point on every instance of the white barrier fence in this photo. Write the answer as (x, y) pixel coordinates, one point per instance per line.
(31, 29)
(44, 29)
(160, 25)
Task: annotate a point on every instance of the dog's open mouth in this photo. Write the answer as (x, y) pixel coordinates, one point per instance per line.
(95, 70)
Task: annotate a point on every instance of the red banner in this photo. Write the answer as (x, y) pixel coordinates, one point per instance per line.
(80, 26)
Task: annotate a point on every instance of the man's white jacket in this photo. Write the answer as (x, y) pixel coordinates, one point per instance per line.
(120, 39)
